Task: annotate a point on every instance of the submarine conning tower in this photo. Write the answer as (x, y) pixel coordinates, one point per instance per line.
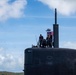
(48, 60)
(56, 31)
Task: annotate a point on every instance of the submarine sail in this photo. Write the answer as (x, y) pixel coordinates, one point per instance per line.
(50, 60)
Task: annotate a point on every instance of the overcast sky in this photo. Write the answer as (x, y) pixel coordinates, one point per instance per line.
(21, 22)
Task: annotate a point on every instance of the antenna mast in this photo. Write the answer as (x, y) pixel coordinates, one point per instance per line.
(55, 16)
(56, 31)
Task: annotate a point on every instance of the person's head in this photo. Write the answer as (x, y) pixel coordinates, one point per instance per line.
(48, 36)
(40, 34)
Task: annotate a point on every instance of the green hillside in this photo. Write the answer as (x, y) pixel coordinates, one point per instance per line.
(10, 73)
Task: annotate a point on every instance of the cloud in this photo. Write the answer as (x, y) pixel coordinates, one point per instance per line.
(64, 7)
(69, 44)
(11, 62)
(9, 9)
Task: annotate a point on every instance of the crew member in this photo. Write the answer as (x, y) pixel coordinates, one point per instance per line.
(49, 41)
(40, 40)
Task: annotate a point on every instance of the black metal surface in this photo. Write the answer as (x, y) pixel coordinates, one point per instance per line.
(50, 61)
(55, 16)
(56, 35)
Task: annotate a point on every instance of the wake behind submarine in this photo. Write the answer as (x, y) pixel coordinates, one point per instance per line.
(50, 60)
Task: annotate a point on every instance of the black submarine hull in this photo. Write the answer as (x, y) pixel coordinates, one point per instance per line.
(50, 61)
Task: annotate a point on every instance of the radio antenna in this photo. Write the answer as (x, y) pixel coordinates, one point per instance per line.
(55, 16)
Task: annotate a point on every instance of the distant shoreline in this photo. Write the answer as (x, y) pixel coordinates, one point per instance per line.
(11, 73)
